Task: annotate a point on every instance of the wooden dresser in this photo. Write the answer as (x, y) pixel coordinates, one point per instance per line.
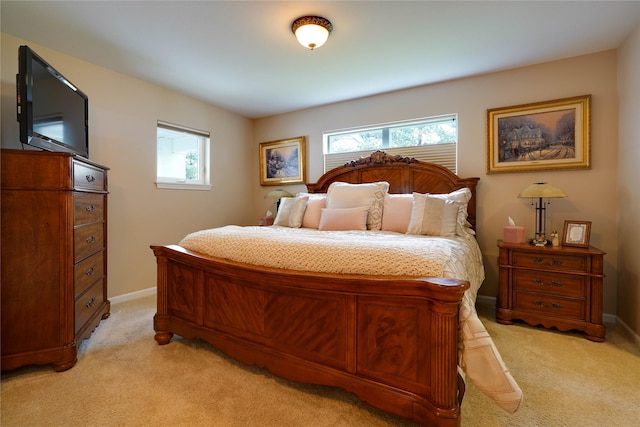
(54, 256)
(551, 286)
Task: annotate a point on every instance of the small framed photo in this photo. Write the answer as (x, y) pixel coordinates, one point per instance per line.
(283, 162)
(576, 233)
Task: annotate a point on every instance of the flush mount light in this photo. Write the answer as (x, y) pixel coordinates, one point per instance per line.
(311, 31)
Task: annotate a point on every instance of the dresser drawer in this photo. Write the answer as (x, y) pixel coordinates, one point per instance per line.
(548, 305)
(87, 177)
(549, 261)
(568, 285)
(88, 303)
(87, 208)
(87, 240)
(87, 272)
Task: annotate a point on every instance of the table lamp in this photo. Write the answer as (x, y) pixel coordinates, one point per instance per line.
(540, 191)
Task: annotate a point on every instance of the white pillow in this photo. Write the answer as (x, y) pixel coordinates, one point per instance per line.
(311, 217)
(342, 195)
(433, 216)
(291, 211)
(344, 219)
(462, 197)
(396, 213)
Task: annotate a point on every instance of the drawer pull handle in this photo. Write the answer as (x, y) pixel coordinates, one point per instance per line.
(538, 260)
(556, 305)
(557, 262)
(91, 271)
(537, 302)
(91, 302)
(538, 281)
(90, 208)
(556, 283)
(91, 239)
(90, 178)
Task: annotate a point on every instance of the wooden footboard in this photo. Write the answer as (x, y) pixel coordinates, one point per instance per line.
(393, 342)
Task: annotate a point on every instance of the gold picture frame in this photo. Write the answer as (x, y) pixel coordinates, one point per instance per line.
(576, 233)
(283, 161)
(550, 135)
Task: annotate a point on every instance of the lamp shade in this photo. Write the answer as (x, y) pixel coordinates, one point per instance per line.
(311, 31)
(542, 190)
(278, 194)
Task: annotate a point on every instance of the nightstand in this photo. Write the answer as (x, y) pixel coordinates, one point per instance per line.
(557, 287)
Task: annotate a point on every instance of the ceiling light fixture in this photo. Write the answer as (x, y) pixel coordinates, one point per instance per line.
(311, 31)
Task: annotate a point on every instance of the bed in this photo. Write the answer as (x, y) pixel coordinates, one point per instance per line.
(400, 333)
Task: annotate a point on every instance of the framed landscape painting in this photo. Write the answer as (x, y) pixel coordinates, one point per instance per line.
(548, 135)
(283, 162)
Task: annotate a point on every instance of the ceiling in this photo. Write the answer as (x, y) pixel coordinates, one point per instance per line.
(242, 55)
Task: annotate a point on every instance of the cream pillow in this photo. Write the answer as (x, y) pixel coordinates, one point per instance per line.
(342, 195)
(344, 219)
(396, 212)
(433, 216)
(291, 211)
(315, 204)
(462, 197)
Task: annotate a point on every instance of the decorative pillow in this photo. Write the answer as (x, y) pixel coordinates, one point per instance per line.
(462, 197)
(291, 211)
(396, 213)
(432, 216)
(344, 219)
(315, 204)
(344, 195)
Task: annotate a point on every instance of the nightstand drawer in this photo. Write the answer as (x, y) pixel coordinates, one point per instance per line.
(549, 261)
(550, 306)
(88, 177)
(567, 285)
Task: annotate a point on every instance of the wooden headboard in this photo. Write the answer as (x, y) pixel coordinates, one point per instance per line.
(404, 175)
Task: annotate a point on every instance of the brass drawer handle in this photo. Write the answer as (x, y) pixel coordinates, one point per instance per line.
(91, 302)
(556, 283)
(91, 271)
(537, 302)
(538, 281)
(90, 208)
(91, 239)
(557, 262)
(90, 178)
(538, 260)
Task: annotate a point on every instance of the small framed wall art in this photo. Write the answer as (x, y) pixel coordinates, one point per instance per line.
(549, 135)
(283, 162)
(576, 233)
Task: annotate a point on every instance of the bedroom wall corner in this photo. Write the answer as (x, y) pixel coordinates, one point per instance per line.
(628, 177)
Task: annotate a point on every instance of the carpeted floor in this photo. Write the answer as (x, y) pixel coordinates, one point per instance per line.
(123, 378)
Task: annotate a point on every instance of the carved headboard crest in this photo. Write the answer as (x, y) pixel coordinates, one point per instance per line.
(381, 157)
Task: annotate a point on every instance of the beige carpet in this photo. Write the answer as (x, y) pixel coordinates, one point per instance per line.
(123, 378)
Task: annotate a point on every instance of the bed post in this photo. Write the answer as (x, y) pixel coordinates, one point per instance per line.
(161, 318)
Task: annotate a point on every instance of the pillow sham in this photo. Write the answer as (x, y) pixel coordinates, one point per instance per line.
(344, 219)
(342, 195)
(433, 216)
(291, 211)
(311, 217)
(462, 197)
(396, 212)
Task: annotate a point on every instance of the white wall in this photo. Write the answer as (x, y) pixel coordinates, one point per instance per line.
(628, 179)
(592, 195)
(123, 112)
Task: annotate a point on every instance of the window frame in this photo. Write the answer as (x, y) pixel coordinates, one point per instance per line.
(445, 154)
(204, 149)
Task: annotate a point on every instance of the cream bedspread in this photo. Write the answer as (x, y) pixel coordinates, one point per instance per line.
(360, 252)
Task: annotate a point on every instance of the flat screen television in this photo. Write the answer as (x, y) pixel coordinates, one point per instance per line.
(53, 113)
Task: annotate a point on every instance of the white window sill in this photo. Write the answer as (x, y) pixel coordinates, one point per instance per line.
(182, 186)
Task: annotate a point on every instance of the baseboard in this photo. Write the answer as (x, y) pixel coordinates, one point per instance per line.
(606, 318)
(635, 337)
(133, 295)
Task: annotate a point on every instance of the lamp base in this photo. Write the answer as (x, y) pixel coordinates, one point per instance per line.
(539, 242)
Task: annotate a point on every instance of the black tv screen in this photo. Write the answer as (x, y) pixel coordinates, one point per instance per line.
(52, 112)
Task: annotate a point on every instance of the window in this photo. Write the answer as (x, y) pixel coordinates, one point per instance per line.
(432, 139)
(183, 157)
